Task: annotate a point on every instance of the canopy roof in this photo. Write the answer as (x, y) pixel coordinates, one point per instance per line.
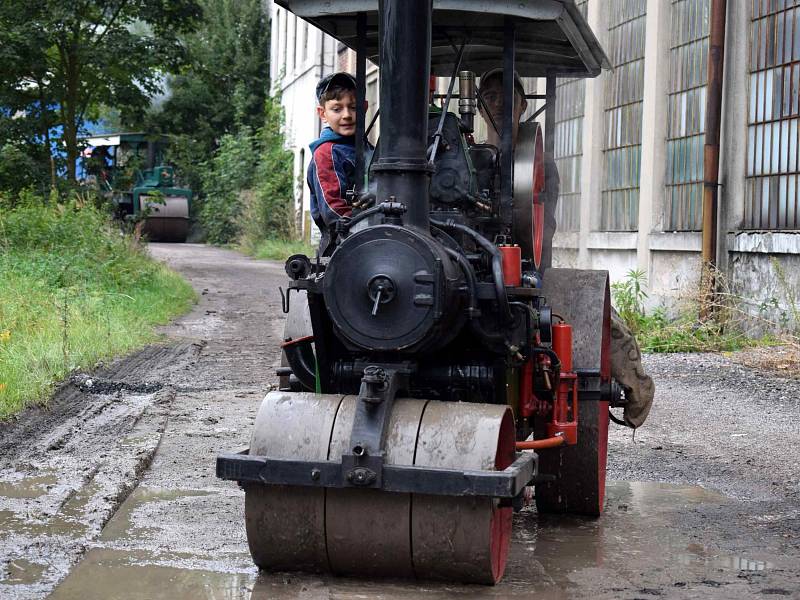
(552, 36)
(115, 139)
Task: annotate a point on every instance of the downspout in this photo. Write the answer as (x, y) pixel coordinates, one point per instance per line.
(321, 72)
(716, 57)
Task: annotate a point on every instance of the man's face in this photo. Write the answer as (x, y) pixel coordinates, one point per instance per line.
(492, 93)
(340, 114)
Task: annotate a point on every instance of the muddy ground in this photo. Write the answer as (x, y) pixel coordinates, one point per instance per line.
(109, 492)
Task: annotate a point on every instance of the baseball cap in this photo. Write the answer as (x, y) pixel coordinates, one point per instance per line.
(341, 79)
(498, 72)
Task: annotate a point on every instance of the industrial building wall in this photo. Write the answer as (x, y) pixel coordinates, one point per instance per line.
(630, 150)
(300, 56)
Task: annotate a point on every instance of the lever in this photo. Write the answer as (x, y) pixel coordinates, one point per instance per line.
(377, 301)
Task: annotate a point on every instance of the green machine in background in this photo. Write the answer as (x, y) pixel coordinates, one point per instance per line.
(129, 167)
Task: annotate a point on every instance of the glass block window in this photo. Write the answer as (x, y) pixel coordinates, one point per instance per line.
(773, 170)
(570, 98)
(686, 123)
(623, 115)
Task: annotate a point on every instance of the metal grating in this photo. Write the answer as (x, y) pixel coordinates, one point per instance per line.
(772, 185)
(683, 209)
(570, 99)
(623, 119)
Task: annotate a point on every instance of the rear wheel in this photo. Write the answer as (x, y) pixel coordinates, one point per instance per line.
(580, 470)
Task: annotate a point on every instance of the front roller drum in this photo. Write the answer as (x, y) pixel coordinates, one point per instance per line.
(368, 532)
(168, 220)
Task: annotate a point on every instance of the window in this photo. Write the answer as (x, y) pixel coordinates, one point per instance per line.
(285, 56)
(295, 45)
(773, 170)
(623, 118)
(570, 99)
(686, 123)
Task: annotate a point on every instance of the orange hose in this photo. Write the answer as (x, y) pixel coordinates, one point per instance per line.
(551, 442)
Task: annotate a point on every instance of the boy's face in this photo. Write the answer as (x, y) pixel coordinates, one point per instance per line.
(340, 115)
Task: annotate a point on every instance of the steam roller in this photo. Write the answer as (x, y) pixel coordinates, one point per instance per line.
(436, 372)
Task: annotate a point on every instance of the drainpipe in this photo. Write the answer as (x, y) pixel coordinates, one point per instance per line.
(716, 57)
(321, 72)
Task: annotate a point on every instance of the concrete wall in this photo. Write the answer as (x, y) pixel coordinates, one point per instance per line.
(762, 268)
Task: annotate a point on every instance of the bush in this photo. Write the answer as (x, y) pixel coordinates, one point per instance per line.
(248, 185)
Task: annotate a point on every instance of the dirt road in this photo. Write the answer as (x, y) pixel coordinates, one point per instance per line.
(110, 492)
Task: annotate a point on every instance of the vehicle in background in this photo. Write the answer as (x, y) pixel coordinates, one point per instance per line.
(130, 170)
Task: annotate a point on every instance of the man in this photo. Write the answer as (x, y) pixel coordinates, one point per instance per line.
(626, 358)
(491, 91)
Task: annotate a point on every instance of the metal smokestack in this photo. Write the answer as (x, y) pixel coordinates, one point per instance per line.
(405, 57)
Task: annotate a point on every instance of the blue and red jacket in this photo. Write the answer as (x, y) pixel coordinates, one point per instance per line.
(331, 173)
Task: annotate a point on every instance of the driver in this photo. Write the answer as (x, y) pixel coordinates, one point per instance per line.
(626, 358)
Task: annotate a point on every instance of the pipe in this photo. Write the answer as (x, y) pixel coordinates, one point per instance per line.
(474, 317)
(405, 56)
(497, 263)
(551, 442)
(716, 58)
(361, 98)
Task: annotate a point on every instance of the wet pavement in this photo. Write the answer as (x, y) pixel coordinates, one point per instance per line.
(551, 557)
(118, 498)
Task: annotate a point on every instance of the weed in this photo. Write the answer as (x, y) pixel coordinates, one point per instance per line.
(629, 297)
(724, 330)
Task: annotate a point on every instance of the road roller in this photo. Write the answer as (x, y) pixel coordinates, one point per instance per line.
(437, 374)
(131, 172)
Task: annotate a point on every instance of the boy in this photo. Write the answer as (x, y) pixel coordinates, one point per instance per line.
(331, 171)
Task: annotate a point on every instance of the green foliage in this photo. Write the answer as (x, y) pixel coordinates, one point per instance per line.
(686, 332)
(74, 291)
(268, 214)
(22, 167)
(223, 87)
(63, 60)
(277, 249)
(248, 185)
(629, 298)
(230, 171)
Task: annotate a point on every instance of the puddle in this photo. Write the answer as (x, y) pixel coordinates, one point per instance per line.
(22, 572)
(111, 574)
(123, 525)
(28, 487)
(667, 533)
(645, 526)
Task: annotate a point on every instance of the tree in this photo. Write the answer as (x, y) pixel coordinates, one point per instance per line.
(225, 81)
(63, 59)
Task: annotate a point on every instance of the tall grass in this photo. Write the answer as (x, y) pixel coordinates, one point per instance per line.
(73, 291)
(276, 249)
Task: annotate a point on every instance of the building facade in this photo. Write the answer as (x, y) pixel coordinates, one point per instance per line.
(629, 146)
